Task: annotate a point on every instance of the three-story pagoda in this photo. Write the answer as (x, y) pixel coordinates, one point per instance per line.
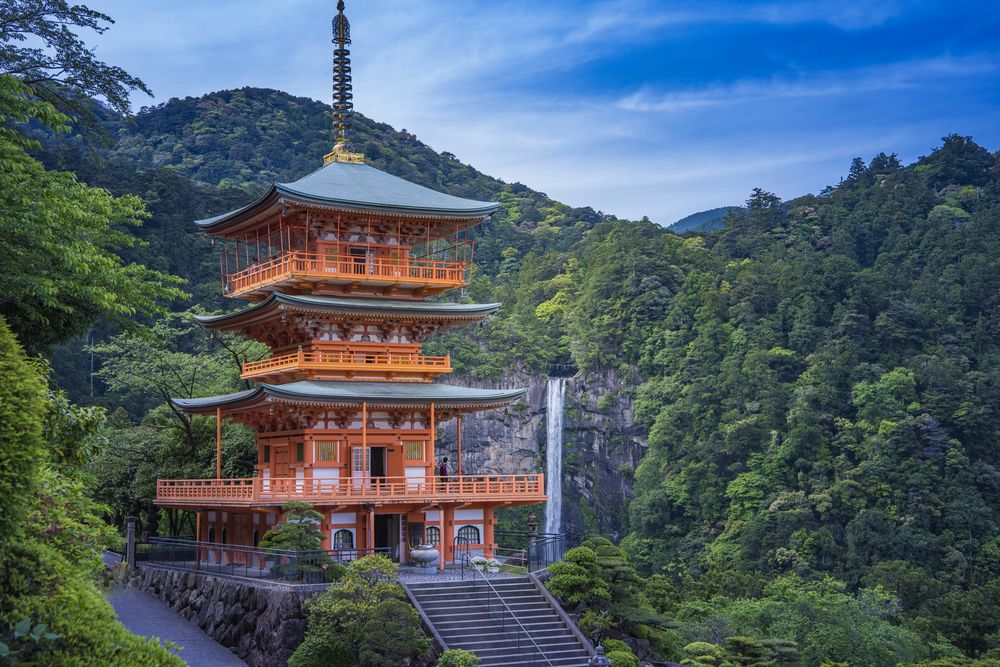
(340, 266)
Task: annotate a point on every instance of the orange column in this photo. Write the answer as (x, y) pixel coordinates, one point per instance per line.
(488, 532)
(364, 442)
(218, 443)
(444, 539)
(458, 431)
(370, 527)
(433, 437)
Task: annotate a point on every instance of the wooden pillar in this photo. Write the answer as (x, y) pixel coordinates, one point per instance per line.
(218, 443)
(370, 528)
(458, 433)
(197, 538)
(433, 430)
(444, 540)
(365, 468)
(488, 545)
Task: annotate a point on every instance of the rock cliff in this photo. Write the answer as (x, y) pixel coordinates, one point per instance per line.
(601, 445)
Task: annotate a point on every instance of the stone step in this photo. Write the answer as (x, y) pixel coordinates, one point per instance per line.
(567, 649)
(579, 660)
(533, 628)
(484, 618)
(461, 607)
(566, 640)
(480, 593)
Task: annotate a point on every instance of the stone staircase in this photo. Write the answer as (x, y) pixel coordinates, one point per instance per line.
(480, 617)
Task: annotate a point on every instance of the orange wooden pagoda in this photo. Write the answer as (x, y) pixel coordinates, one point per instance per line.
(339, 266)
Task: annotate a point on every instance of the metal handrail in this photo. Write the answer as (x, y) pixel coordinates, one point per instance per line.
(538, 649)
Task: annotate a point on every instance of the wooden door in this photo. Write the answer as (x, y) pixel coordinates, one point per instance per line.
(281, 471)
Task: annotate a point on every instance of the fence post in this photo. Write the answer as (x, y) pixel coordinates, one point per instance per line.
(130, 541)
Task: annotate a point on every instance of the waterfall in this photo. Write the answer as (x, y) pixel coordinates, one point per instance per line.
(555, 401)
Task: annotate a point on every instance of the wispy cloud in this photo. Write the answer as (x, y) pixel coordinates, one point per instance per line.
(883, 78)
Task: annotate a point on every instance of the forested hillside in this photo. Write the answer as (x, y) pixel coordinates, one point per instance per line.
(705, 221)
(818, 380)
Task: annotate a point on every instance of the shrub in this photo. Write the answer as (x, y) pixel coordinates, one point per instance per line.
(456, 657)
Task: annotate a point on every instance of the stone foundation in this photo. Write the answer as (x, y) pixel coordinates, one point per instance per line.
(261, 622)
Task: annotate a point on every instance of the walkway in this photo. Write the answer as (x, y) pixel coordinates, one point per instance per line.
(145, 615)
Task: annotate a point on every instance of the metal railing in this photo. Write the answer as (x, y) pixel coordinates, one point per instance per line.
(527, 649)
(248, 491)
(539, 550)
(337, 360)
(302, 567)
(297, 263)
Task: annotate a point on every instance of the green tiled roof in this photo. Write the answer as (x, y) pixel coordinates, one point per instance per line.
(383, 307)
(361, 187)
(353, 393)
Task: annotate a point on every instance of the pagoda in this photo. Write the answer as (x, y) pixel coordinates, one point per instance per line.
(344, 269)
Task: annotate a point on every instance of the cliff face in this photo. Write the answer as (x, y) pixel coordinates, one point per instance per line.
(601, 446)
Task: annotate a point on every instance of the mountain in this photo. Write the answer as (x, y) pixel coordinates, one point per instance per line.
(705, 221)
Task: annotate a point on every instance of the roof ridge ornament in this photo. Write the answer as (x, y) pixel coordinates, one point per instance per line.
(343, 97)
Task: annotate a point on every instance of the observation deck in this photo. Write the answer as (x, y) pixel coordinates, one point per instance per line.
(349, 365)
(324, 273)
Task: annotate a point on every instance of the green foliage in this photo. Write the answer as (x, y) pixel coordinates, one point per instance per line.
(48, 563)
(362, 619)
(619, 653)
(60, 272)
(457, 657)
(297, 531)
(22, 392)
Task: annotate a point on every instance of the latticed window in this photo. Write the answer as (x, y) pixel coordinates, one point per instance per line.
(343, 539)
(414, 450)
(300, 451)
(326, 451)
(267, 453)
(358, 459)
(433, 535)
(469, 535)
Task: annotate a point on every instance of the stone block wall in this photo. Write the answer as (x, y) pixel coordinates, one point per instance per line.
(261, 622)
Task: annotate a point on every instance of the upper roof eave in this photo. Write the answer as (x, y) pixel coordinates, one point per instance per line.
(355, 188)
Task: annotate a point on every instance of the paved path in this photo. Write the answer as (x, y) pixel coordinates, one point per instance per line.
(145, 615)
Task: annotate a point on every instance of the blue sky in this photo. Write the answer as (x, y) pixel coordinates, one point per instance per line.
(633, 107)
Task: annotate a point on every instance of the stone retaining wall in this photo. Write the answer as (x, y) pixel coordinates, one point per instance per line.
(261, 622)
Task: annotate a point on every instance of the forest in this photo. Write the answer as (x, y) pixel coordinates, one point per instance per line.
(819, 378)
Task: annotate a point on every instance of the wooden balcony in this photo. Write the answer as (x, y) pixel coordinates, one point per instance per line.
(257, 491)
(353, 365)
(342, 274)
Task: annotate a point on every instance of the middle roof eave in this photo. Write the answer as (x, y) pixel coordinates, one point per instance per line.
(390, 308)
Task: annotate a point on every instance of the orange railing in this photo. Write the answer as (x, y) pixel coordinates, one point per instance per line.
(313, 265)
(257, 490)
(349, 361)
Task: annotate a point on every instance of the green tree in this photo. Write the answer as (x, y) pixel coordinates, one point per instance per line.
(60, 272)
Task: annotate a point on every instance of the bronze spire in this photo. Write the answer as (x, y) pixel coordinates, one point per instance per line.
(343, 97)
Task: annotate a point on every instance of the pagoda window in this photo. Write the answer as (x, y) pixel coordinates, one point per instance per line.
(267, 453)
(211, 534)
(433, 536)
(327, 451)
(468, 535)
(414, 450)
(256, 537)
(343, 539)
(300, 451)
(225, 536)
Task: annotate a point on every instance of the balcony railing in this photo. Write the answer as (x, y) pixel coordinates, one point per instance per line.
(248, 491)
(349, 363)
(345, 269)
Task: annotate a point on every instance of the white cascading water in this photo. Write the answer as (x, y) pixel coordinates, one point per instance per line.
(556, 399)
